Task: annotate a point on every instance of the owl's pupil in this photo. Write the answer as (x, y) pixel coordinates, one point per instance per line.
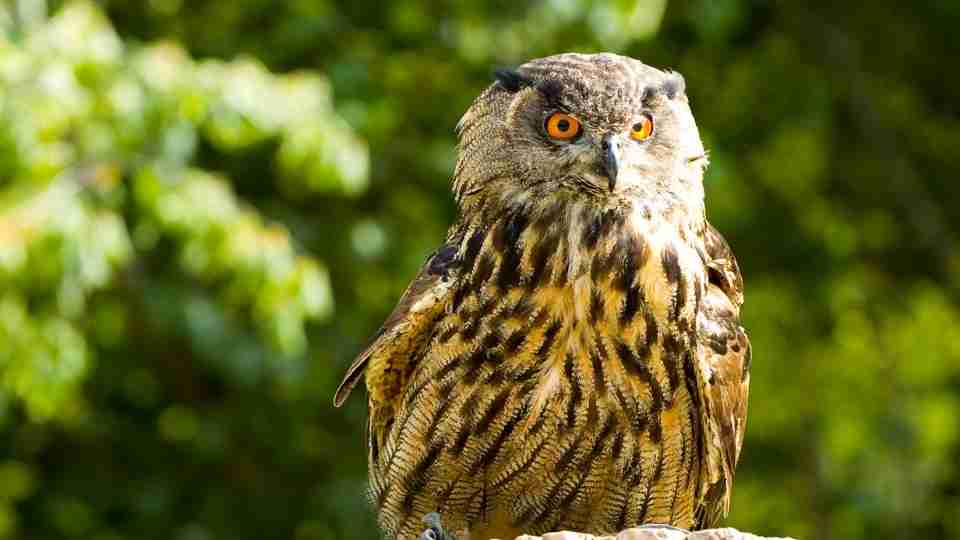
(564, 125)
(638, 127)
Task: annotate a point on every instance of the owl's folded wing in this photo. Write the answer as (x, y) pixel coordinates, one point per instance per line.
(724, 350)
(388, 358)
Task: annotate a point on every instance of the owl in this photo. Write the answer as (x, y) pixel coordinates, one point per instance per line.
(571, 357)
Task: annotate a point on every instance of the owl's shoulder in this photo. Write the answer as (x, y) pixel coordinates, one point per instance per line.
(405, 328)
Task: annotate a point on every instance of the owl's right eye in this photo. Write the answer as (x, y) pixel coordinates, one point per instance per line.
(562, 127)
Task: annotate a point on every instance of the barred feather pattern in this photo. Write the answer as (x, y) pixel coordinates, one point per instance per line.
(557, 388)
(572, 356)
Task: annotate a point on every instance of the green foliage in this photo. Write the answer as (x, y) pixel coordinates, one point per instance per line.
(185, 188)
(114, 224)
(101, 154)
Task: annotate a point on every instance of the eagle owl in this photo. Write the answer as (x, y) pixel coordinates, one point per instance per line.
(571, 357)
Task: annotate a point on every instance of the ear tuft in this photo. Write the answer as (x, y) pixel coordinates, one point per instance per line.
(674, 85)
(510, 79)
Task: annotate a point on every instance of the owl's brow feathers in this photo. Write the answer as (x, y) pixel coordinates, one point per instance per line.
(512, 81)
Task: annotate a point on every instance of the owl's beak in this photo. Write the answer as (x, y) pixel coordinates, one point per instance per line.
(610, 159)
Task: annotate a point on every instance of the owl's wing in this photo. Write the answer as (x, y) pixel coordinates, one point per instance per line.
(406, 329)
(724, 351)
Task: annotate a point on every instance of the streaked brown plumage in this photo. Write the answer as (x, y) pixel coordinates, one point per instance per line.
(571, 357)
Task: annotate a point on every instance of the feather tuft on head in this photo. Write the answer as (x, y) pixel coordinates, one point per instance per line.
(510, 79)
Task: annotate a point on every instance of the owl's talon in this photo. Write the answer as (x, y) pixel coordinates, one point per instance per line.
(434, 528)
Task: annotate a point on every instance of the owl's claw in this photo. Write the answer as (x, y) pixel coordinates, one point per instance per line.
(434, 528)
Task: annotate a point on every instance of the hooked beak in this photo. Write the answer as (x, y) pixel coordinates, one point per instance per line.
(610, 159)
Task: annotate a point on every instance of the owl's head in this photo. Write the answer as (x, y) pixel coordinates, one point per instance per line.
(596, 125)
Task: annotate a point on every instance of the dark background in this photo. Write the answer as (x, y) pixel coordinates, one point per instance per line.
(206, 207)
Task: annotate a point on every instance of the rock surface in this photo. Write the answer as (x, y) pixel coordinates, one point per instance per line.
(655, 533)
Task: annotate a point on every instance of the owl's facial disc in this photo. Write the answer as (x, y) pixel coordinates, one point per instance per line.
(618, 161)
(594, 125)
(608, 159)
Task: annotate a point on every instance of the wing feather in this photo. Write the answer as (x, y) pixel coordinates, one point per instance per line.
(724, 350)
(405, 329)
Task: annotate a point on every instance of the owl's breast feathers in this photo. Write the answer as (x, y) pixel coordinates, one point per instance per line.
(560, 366)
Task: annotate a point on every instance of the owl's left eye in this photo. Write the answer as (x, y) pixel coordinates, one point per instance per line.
(643, 129)
(562, 126)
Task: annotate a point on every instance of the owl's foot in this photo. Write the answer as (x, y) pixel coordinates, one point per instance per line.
(434, 529)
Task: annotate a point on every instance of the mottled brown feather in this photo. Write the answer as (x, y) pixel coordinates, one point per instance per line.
(725, 348)
(572, 357)
(402, 332)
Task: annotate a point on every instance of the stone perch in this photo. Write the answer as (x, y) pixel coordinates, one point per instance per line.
(650, 533)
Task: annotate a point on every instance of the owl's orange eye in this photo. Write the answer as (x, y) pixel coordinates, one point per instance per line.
(562, 126)
(642, 129)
